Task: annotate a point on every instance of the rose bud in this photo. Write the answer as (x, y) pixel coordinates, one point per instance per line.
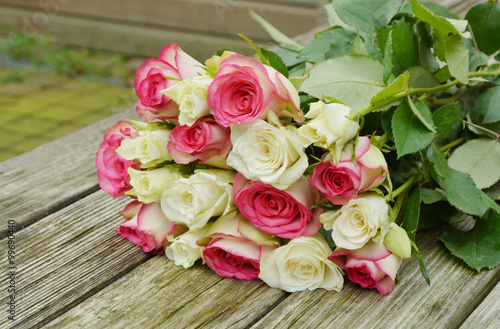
(234, 248)
(111, 167)
(147, 226)
(342, 181)
(245, 89)
(155, 75)
(282, 212)
(372, 266)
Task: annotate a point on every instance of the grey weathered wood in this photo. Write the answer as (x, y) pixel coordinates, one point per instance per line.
(160, 294)
(454, 293)
(52, 176)
(487, 314)
(67, 256)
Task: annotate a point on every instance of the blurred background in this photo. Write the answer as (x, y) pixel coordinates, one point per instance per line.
(65, 64)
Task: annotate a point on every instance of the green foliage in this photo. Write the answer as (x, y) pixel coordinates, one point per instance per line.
(485, 109)
(479, 247)
(444, 118)
(411, 213)
(275, 61)
(327, 44)
(412, 129)
(480, 158)
(356, 80)
(484, 20)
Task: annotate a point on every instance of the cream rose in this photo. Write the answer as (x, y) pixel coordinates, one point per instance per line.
(183, 250)
(268, 152)
(302, 264)
(194, 200)
(358, 221)
(150, 147)
(148, 185)
(191, 95)
(331, 127)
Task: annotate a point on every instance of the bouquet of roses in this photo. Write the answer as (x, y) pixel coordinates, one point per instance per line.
(277, 167)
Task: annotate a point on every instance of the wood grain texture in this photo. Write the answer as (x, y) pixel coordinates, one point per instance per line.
(161, 294)
(454, 293)
(486, 315)
(52, 176)
(67, 256)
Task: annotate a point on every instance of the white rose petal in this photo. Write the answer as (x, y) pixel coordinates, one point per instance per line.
(148, 185)
(359, 221)
(267, 152)
(150, 147)
(191, 96)
(183, 250)
(331, 127)
(194, 200)
(302, 264)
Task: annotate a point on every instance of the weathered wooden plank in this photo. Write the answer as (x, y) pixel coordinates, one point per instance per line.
(455, 292)
(68, 256)
(124, 38)
(46, 179)
(486, 315)
(159, 293)
(225, 17)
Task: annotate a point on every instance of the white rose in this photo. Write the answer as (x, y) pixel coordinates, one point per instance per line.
(150, 147)
(302, 264)
(148, 185)
(183, 250)
(358, 221)
(194, 200)
(191, 96)
(331, 126)
(267, 152)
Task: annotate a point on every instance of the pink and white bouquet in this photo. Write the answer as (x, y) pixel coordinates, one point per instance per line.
(236, 167)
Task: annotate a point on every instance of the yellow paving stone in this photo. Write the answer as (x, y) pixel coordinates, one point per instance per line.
(30, 125)
(7, 154)
(59, 113)
(29, 144)
(8, 138)
(61, 130)
(52, 93)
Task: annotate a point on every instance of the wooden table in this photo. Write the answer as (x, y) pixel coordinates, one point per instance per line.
(72, 270)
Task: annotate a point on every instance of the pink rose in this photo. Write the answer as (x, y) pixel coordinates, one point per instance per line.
(343, 181)
(147, 226)
(244, 90)
(234, 248)
(372, 266)
(284, 213)
(151, 78)
(205, 140)
(112, 168)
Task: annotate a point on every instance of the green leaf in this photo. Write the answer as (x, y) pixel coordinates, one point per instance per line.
(431, 196)
(434, 7)
(274, 33)
(439, 24)
(486, 108)
(389, 94)
(356, 80)
(411, 213)
(420, 77)
(457, 56)
(275, 61)
(333, 18)
(388, 61)
(476, 59)
(444, 119)
(425, 47)
(289, 56)
(484, 20)
(479, 247)
(405, 52)
(435, 214)
(410, 134)
(328, 44)
(443, 74)
(421, 264)
(367, 15)
(459, 187)
(359, 47)
(423, 113)
(386, 120)
(480, 158)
